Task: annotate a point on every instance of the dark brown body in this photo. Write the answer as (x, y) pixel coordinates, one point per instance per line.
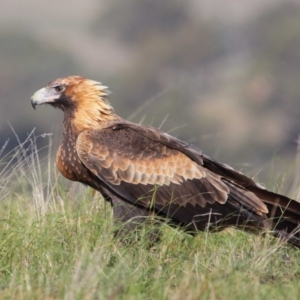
(191, 217)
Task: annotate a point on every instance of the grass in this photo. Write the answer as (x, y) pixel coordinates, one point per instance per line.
(57, 243)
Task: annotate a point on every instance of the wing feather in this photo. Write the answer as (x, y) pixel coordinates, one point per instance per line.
(137, 167)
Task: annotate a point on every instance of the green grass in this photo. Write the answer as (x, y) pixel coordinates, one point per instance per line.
(58, 243)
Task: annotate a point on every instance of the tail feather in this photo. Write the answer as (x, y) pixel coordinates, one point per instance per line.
(283, 215)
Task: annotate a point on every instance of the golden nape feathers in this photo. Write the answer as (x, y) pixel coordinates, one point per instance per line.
(81, 90)
(141, 170)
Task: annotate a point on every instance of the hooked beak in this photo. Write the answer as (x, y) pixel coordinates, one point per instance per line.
(41, 97)
(38, 98)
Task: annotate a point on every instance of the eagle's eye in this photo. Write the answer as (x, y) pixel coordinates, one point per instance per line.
(58, 88)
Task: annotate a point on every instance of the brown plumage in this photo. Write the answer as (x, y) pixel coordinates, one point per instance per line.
(141, 170)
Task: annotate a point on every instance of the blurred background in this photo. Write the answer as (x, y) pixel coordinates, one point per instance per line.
(224, 75)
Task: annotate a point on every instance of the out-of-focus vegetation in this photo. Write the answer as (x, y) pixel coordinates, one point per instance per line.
(227, 84)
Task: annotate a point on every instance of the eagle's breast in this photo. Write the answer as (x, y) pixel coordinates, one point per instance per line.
(67, 159)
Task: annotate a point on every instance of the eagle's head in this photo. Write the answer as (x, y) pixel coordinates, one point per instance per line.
(82, 100)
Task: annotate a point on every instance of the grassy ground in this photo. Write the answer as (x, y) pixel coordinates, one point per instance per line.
(57, 243)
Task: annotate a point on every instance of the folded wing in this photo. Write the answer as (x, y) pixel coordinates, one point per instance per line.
(148, 168)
